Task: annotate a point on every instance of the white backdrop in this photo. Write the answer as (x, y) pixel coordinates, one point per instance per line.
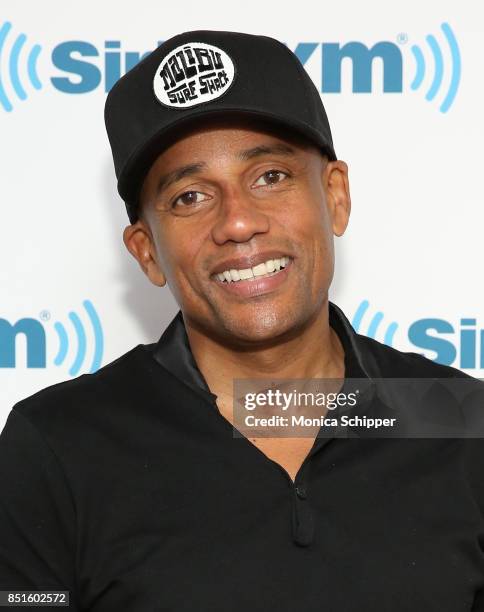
(413, 247)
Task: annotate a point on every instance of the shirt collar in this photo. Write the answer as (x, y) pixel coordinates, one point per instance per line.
(173, 352)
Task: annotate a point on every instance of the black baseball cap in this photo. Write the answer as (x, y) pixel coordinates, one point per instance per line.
(200, 74)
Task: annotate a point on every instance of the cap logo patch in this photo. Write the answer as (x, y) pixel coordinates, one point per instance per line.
(192, 74)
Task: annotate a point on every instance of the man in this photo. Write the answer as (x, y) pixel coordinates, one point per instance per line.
(128, 488)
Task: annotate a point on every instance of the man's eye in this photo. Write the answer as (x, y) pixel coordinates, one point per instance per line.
(189, 197)
(271, 177)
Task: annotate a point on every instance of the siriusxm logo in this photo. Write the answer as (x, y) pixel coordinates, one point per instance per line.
(13, 65)
(84, 66)
(438, 68)
(35, 335)
(459, 345)
(362, 56)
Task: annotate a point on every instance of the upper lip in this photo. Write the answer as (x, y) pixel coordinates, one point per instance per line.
(242, 263)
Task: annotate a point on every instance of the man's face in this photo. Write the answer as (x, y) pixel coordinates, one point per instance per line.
(232, 191)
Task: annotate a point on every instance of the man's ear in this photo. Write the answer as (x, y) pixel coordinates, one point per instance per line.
(337, 188)
(139, 242)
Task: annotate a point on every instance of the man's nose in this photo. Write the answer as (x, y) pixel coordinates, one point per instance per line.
(239, 217)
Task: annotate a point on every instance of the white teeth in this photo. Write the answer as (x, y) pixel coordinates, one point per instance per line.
(260, 269)
(245, 274)
(268, 267)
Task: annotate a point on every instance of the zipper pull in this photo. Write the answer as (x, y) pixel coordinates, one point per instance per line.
(302, 517)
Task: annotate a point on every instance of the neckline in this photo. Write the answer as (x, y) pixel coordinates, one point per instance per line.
(173, 352)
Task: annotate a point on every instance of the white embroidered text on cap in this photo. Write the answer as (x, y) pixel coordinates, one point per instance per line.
(192, 74)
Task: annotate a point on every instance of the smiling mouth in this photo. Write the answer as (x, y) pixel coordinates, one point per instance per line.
(261, 280)
(268, 268)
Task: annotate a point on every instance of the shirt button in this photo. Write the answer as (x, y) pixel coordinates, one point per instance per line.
(301, 492)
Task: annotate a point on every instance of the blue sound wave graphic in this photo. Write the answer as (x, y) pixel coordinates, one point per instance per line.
(81, 340)
(374, 323)
(438, 61)
(13, 66)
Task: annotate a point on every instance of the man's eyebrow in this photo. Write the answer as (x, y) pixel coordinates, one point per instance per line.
(176, 175)
(279, 149)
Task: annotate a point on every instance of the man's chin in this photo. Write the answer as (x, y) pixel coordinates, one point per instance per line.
(259, 327)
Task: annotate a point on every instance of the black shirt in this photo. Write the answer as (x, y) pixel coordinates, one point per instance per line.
(128, 488)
